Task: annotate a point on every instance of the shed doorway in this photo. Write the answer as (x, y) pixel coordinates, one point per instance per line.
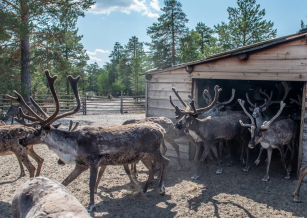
(252, 87)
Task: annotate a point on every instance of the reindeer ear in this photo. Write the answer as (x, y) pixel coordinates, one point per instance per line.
(263, 109)
(221, 107)
(56, 125)
(251, 109)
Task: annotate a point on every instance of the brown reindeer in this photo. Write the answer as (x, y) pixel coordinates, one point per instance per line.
(210, 129)
(295, 195)
(92, 147)
(42, 197)
(273, 135)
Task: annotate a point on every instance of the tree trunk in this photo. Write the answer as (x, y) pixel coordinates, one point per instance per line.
(25, 73)
(173, 39)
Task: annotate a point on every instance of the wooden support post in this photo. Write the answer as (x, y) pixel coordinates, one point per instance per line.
(84, 104)
(146, 100)
(301, 144)
(121, 102)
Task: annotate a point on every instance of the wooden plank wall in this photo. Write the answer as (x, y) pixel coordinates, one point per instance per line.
(159, 88)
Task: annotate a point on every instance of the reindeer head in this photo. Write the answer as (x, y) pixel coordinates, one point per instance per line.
(186, 117)
(41, 133)
(257, 133)
(216, 109)
(258, 111)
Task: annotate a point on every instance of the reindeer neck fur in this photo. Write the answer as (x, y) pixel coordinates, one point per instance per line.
(197, 126)
(63, 143)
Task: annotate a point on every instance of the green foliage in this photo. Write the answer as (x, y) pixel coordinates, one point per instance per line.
(303, 26)
(189, 47)
(166, 34)
(205, 33)
(246, 26)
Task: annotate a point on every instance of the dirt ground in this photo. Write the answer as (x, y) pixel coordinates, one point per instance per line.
(233, 194)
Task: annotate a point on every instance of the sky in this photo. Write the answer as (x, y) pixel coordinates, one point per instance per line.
(110, 21)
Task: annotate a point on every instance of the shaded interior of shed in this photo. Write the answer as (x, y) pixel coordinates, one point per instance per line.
(250, 86)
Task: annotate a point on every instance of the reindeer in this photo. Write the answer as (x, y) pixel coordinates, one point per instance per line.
(272, 135)
(9, 137)
(211, 129)
(91, 147)
(170, 134)
(260, 113)
(295, 195)
(42, 197)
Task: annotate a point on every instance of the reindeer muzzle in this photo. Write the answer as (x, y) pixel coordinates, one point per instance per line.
(251, 145)
(178, 126)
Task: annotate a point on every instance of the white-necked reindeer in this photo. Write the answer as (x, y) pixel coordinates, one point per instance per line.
(91, 147)
(273, 135)
(261, 113)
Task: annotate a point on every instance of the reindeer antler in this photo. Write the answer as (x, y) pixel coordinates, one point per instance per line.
(298, 101)
(266, 124)
(208, 98)
(179, 112)
(255, 105)
(37, 120)
(287, 89)
(242, 102)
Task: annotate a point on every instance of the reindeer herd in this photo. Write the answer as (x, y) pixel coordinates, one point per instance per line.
(94, 148)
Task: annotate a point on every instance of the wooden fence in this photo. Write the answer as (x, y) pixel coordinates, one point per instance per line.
(89, 104)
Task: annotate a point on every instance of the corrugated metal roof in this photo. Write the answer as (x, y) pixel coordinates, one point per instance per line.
(244, 49)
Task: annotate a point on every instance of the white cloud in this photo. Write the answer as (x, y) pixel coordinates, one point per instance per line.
(155, 5)
(125, 6)
(95, 59)
(98, 51)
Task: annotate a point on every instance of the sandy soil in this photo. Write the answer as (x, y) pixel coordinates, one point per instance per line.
(232, 194)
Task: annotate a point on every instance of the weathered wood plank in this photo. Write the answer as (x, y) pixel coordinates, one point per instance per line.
(250, 76)
(166, 103)
(164, 94)
(168, 86)
(301, 155)
(234, 64)
(182, 147)
(174, 78)
(158, 112)
(173, 154)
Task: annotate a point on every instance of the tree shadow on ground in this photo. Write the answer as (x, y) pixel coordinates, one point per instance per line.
(246, 193)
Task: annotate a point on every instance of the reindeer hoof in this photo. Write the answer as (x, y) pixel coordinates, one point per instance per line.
(296, 199)
(265, 179)
(195, 177)
(219, 171)
(162, 191)
(91, 208)
(287, 177)
(257, 162)
(22, 174)
(246, 169)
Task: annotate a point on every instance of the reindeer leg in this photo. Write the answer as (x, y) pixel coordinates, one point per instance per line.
(22, 170)
(257, 161)
(176, 147)
(281, 150)
(100, 174)
(203, 158)
(164, 164)
(227, 149)
(295, 195)
(134, 172)
(218, 171)
(22, 154)
(74, 174)
(38, 159)
(93, 178)
(266, 177)
(163, 148)
(246, 168)
(197, 149)
(133, 183)
(147, 162)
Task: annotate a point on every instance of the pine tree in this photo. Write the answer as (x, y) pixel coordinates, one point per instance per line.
(115, 57)
(31, 18)
(303, 26)
(189, 47)
(205, 33)
(166, 34)
(246, 26)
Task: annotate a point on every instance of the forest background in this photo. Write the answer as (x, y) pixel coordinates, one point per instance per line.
(38, 35)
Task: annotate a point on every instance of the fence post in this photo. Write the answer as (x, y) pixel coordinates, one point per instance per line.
(84, 105)
(121, 102)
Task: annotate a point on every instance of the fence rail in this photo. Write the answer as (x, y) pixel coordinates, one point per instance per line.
(89, 104)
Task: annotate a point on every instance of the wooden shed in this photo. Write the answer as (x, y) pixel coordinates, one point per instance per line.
(264, 64)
